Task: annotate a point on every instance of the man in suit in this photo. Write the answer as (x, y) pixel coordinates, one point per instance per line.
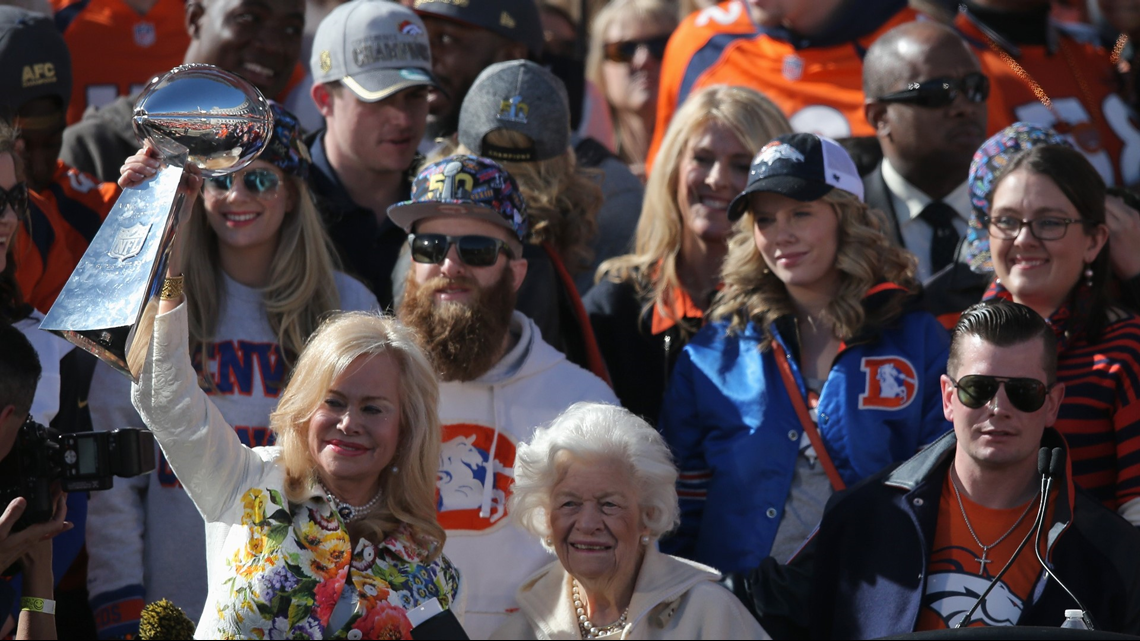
(926, 100)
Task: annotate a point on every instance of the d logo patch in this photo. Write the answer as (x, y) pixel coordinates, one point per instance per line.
(891, 383)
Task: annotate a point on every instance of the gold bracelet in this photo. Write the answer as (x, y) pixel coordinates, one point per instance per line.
(171, 288)
(34, 604)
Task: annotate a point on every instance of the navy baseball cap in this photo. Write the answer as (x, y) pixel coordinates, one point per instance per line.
(515, 20)
(804, 167)
(34, 60)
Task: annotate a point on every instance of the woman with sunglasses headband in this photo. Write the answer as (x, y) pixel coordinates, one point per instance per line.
(259, 278)
(816, 369)
(627, 41)
(1048, 243)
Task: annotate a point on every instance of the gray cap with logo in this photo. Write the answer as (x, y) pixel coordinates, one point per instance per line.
(376, 48)
(521, 96)
(34, 61)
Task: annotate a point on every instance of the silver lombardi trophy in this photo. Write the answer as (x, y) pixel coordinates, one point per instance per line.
(193, 114)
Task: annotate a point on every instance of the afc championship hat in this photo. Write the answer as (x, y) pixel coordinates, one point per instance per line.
(464, 186)
(804, 167)
(515, 20)
(34, 60)
(375, 47)
(521, 96)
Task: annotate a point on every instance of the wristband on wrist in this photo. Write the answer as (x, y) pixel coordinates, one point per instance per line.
(35, 604)
(171, 288)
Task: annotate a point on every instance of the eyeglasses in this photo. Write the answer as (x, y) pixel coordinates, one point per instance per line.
(1026, 394)
(15, 197)
(625, 50)
(474, 251)
(1047, 228)
(256, 181)
(942, 91)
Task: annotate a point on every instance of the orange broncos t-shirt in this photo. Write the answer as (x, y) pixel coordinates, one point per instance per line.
(115, 51)
(727, 21)
(1060, 74)
(955, 578)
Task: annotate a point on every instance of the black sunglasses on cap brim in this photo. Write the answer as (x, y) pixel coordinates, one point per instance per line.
(1026, 394)
(474, 251)
(942, 91)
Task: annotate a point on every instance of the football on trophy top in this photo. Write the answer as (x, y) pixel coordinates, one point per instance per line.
(195, 114)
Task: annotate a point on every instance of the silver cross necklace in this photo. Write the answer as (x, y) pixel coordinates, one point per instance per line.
(985, 548)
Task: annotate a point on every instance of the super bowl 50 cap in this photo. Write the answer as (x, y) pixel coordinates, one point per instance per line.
(804, 167)
(374, 47)
(34, 60)
(515, 20)
(521, 96)
(464, 186)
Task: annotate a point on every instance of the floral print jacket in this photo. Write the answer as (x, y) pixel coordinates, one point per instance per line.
(277, 568)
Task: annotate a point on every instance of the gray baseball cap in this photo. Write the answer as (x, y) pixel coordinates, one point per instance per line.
(374, 47)
(521, 96)
(34, 61)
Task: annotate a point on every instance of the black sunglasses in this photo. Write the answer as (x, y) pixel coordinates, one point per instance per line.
(1026, 394)
(256, 181)
(942, 91)
(474, 251)
(15, 197)
(625, 50)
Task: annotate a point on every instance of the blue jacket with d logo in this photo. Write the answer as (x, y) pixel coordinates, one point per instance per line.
(736, 435)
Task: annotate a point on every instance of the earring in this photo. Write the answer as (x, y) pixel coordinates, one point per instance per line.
(394, 469)
(645, 540)
(549, 542)
(1088, 275)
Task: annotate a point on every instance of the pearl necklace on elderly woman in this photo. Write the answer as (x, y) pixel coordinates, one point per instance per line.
(586, 627)
(348, 512)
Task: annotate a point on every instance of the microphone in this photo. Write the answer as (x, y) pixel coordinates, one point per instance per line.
(1056, 463)
(1046, 470)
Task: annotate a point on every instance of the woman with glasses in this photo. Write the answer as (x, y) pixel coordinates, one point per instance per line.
(816, 371)
(648, 303)
(627, 42)
(1048, 241)
(259, 278)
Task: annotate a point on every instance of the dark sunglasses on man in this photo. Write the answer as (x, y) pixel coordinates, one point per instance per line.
(1025, 394)
(256, 181)
(474, 251)
(625, 50)
(15, 197)
(941, 92)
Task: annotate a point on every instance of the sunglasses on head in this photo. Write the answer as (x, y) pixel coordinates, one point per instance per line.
(942, 91)
(15, 197)
(256, 181)
(625, 50)
(474, 251)
(1026, 394)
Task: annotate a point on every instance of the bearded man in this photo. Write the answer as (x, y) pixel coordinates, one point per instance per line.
(467, 223)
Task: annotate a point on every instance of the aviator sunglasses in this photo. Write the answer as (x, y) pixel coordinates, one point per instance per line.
(625, 50)
(15, 197)
(256, 181)
(474, 251)
(1026, 394)
(942, 91)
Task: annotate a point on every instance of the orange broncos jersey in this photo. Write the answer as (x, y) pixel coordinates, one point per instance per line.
(1061, 75)
(707, 31)
(81, 201)
(42, 255)
(114, 50)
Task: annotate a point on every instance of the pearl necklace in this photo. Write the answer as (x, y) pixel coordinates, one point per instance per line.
(587, 627)
(348, 512)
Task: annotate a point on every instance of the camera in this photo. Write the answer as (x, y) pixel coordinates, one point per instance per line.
(80, 462)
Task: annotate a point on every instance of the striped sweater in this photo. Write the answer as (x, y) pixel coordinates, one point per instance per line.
(1100, 415)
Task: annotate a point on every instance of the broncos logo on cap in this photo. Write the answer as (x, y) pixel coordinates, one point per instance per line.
(776, 150)
(409, 28)
(891, 383)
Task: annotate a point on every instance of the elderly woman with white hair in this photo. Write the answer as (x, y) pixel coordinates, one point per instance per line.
(598, 487)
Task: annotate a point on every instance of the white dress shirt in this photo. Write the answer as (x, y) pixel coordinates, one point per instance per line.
(908, 202)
